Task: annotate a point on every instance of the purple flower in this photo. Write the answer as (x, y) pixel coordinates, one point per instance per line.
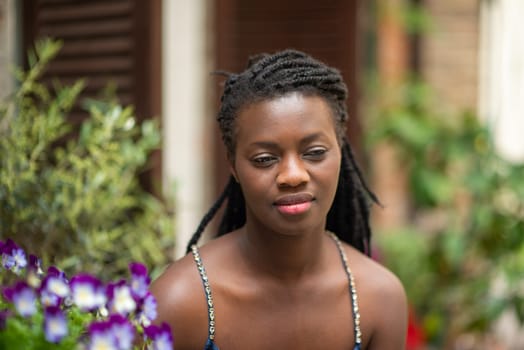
(160, 336)
(101, 337)
(54, 271)
(23, 298)
(139, 280)
(120, 299)
(87, 292)
(20, 260)
(8, 261)
(116, 333)
(123, 330)
(13, 257)
(35, 264)
(147, 310)
(34, 271)
(48, 299)
(55, 324)
(5, 251)
(55, 288)
(8, 292)
(55, 285)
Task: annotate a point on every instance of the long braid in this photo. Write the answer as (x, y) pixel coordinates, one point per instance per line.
(209, 215)
(235, 213)
(269, 76)
(351, 157)
(353, 192)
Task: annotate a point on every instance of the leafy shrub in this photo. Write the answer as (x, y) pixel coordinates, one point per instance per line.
(465, 268)
(72, 196)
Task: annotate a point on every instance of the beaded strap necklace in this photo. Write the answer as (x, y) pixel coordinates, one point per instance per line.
(207, 289)
(352, 291)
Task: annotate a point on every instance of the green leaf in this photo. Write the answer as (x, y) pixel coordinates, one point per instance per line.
(61, 194)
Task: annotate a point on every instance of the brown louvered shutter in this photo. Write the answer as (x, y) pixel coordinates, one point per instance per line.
(104, 41)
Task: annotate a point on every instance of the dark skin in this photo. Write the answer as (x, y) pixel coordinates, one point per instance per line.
(278, 282)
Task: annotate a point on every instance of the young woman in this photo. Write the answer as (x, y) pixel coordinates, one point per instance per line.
(288, 269)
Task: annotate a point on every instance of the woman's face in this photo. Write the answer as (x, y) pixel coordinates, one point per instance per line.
(287, 162)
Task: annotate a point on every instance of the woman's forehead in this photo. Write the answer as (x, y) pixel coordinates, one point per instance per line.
(291, 104)
(292, 111)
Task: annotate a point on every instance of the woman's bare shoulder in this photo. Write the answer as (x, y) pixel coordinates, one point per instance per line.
(180, 295)
(177, 282)
(382, 300)
(181, 280)
(181, 303)
(373, 275)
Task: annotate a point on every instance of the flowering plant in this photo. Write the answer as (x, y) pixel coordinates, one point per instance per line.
(47, 310)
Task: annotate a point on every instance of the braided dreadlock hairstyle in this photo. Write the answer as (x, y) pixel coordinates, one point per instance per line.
(270, 76)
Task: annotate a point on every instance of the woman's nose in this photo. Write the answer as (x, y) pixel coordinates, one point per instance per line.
(292, 172)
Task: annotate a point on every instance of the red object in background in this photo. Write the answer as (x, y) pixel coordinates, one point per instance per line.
(416, 339)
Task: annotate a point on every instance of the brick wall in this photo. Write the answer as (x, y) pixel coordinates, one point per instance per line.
(449, 52)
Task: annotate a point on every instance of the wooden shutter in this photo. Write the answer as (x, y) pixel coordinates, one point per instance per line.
(104, 41)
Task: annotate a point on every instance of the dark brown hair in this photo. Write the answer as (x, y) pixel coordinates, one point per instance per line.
(270, 76)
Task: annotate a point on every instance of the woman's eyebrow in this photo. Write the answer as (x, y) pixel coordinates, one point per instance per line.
(311, 137)
(264, 144)
(271, 144)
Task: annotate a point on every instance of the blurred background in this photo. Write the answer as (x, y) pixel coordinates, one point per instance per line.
(436, 104)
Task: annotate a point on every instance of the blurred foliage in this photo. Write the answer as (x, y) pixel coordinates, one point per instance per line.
(413, 16)
(72, 196)
(462, 259)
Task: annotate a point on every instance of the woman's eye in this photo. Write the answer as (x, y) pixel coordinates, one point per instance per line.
(315, 154)
(264, 161)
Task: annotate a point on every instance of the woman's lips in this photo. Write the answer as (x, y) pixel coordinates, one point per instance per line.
(294, 204)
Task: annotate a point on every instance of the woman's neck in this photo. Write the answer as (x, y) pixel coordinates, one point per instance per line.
(286, 257)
